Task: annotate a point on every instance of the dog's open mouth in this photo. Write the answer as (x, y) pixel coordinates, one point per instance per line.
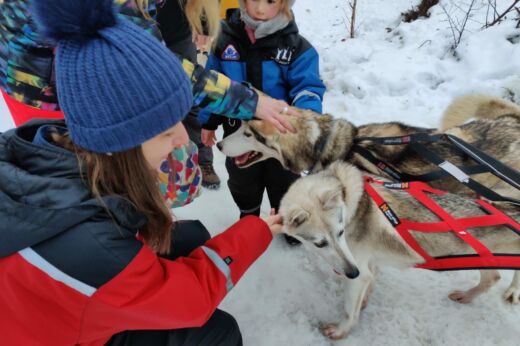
(247, 159)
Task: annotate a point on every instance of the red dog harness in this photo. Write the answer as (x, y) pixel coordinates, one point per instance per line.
(483, 258)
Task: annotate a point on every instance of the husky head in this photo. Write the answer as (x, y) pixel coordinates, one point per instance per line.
(253, 142)
(258, 140)
(317, 210)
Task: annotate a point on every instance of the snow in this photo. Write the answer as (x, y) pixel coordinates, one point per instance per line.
(403, 73)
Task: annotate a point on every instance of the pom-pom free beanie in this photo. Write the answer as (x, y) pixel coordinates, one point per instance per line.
(117, 85)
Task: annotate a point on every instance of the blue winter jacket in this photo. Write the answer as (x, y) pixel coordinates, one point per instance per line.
(283, 65)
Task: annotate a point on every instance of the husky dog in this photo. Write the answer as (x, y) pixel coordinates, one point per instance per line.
(337, 219)
(322, 139)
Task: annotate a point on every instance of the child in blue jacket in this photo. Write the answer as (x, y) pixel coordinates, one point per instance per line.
(260, 44)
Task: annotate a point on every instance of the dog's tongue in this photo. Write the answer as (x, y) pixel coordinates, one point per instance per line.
(240, 160)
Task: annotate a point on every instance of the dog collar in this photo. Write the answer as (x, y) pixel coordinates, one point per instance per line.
(319, 147)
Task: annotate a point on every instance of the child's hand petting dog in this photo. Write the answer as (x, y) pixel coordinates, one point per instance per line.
(208, 137)
(275, 112)
(274, 221)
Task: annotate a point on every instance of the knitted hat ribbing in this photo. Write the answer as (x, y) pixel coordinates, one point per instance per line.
(117, 85)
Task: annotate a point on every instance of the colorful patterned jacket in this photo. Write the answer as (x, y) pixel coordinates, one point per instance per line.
(26, 74)
(26, 65)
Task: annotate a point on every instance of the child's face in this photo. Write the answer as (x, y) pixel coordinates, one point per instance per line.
(263, 9)
(156, 149)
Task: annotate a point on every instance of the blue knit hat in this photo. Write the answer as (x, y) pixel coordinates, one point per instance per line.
(117, 85)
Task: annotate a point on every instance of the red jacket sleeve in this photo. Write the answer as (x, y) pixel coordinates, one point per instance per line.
(157, 293)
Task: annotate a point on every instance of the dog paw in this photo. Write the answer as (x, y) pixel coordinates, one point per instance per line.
(461, 297)
(333, 331)
(512, 295)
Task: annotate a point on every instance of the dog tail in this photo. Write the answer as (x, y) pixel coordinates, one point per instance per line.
(476, 106)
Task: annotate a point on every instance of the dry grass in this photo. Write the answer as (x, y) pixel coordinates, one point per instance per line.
(422, 10)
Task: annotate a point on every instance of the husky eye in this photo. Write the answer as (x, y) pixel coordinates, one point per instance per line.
(247, 134)
(321, 244)
(341, 233)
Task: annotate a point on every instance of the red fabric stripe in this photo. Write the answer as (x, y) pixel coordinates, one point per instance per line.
(22, 113)
(460, 231)
(472, 262)
(402, 229)
(427, 227)
(505, 218)
(486, 259)
(32, 304)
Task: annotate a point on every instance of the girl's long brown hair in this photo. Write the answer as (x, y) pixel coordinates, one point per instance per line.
(126, 174)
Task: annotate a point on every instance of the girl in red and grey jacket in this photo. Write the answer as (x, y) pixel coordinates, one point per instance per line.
(87, 251)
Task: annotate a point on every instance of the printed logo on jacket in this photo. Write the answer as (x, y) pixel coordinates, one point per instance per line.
(230, 53)
(283, 56)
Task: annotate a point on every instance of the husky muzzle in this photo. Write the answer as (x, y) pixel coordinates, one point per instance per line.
(350, 273)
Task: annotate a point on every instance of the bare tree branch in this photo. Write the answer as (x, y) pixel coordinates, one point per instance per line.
(465, 21)
(450, 21)
(353, 6)
(458, 24)
(499, 18)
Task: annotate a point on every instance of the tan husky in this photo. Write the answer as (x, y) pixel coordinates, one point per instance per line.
(322, 139)
(332, 215)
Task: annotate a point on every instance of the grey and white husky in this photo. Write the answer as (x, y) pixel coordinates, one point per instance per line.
(322, 139)
(332, 215)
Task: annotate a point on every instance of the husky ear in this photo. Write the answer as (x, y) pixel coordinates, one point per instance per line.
(298, 217)
(331, 199)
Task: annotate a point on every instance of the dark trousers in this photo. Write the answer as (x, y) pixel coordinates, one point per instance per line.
(193, 127)
(247, 185)
(187, 50)
(220, 329)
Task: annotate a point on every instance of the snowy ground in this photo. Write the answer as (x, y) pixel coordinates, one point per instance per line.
(400, 73)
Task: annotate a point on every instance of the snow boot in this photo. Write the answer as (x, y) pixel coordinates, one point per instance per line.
(210, 179)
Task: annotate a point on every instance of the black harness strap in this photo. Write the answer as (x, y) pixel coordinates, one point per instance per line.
(496, 167)
(397, 140)
(486, 163)
(427, 177)
(383, 166)
(460, 175)
(319, 146)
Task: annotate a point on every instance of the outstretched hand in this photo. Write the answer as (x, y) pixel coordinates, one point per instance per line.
(274, 221)
(208, 137)
(275, 111)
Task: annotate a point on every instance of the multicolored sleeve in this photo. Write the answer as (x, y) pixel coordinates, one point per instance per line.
(213, 92)
(180, 176)
(129, 10)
